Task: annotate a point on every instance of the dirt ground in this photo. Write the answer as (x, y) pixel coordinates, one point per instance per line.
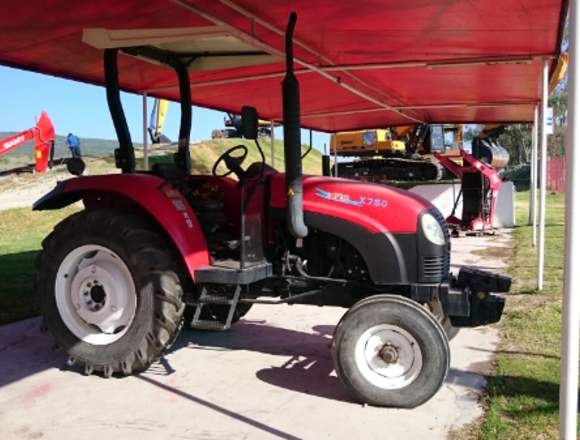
(271, 376)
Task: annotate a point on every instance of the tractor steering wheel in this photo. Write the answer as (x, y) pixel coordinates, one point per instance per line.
(231, 162)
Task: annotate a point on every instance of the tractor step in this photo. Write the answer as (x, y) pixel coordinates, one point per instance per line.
(229, 272)
(206, 299)
(209, 325)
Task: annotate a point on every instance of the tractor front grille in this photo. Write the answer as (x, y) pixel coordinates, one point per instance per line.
(433, 268)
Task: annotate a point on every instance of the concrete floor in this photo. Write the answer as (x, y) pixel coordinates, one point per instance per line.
(270, 377)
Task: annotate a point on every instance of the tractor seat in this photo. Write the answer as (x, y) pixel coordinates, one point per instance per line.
(168, 171)
(255, 169)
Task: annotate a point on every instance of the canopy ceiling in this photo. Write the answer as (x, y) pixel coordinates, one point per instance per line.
(361, 63)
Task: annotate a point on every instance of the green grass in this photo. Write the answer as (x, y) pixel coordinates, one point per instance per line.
(523, 392)
(21, 232)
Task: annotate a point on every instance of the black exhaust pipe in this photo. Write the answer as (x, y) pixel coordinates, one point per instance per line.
(292, 144)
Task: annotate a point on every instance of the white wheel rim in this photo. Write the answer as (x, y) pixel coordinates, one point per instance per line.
(388, 357)
(95, 294)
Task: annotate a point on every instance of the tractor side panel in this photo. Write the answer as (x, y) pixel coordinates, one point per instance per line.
(154, 195)
(376, 208)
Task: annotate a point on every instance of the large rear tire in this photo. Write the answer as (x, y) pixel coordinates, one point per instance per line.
(390, 351)
(110, 290)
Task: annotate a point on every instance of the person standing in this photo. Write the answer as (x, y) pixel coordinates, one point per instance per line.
(74, 144)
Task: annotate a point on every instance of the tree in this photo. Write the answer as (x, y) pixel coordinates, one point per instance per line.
(517, 140)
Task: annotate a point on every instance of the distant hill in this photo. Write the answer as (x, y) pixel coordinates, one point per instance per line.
(203, 153)
(90, 147)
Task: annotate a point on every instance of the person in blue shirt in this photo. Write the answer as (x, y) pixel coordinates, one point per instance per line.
(74, 144)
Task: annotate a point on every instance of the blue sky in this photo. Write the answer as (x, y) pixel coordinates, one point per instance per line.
(82, 109)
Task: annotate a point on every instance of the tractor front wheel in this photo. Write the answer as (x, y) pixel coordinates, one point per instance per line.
(390, 351)
(110, 289)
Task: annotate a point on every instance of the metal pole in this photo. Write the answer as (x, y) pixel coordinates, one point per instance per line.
(272, 142)
(335, 163)
(145, 140)
(534, 180)
(571, 299)
(543, 169)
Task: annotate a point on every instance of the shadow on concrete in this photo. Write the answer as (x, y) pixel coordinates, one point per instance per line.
(25, 351)
(308, 366)
(220, 409)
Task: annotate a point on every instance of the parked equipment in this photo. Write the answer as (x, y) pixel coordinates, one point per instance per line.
(400, 153)
(115, 279)
(157, 121)
(480, 184)
(233, 128)
(43, 136)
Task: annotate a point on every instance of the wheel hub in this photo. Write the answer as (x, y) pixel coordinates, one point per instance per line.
(388, 356)
(95, 294)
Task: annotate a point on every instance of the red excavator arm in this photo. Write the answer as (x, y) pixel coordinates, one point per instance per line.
(42, 134)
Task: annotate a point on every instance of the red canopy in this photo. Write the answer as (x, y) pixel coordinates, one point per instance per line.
(361, 63)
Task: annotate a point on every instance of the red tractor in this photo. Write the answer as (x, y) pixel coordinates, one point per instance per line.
(115, 279)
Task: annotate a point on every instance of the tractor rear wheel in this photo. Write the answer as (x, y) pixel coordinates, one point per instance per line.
(390, 351)
(110, 290)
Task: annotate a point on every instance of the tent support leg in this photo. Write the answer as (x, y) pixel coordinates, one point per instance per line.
(533, 218)
(272, 144)
(145, 137)
(543, 167)
(571, 299)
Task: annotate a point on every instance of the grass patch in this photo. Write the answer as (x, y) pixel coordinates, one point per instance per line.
(523, 392)
(21, 232)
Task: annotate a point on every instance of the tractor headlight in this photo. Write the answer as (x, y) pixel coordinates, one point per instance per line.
(432, 229)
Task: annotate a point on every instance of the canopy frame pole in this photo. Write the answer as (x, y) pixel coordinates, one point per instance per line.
(145, 137)
(533, 217)
(571, 299)
(335, 162)
(321, 57)
(447, 63)
(272, 144)
(543, 169)
(250, 39)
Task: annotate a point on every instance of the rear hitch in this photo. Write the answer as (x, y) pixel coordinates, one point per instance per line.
(475, 297)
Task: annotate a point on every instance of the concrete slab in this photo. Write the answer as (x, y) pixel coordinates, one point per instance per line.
(270, 377)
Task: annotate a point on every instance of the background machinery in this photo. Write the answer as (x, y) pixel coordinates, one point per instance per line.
(157, 120)
(400, 153)
(43, 136)
(115, 279)
(233, 123)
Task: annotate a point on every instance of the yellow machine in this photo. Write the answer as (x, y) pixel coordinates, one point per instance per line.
(365, 143)
(397, 153)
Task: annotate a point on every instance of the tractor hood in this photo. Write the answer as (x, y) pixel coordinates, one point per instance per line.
(377, 208)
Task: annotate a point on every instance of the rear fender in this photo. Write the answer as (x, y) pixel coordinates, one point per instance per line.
(157, 197)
